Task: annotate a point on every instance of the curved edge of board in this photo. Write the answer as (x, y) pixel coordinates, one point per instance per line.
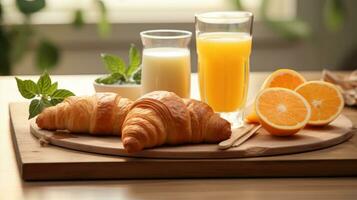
(212, 152)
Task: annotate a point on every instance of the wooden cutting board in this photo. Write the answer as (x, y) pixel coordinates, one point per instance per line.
(262, 144)
(53, 163)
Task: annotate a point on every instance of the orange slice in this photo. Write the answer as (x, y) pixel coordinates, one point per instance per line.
(252, 118)
(281, 111)
(325, 99)
(285, 78)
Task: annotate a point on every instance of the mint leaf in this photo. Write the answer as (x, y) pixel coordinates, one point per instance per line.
(137, 77)
(53, 88)
(120, 73)
(61, 94)
(46, 102)
(27, 88)
(48, 93)
(114, 64)
(44, 83)
(54, 102)
(36, 107)
(134, 61)
(110, 79)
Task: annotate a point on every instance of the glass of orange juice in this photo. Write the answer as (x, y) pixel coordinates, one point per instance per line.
(224, 41)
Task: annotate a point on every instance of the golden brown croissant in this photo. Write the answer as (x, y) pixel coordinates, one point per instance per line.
(162, 117)
(155, 119)
(102, 113)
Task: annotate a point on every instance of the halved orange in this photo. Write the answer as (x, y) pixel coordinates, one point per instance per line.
(281, 111)
(325, 99)
(284, 78)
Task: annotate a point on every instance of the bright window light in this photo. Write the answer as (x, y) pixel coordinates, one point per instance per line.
(144, 11)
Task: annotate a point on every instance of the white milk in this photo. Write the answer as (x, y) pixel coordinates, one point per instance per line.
(166, 69)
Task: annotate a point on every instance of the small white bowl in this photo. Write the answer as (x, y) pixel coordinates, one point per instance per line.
(132, 91)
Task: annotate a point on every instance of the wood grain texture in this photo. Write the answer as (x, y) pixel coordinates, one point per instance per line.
(35, 162)
(262, 144)
(12, 185)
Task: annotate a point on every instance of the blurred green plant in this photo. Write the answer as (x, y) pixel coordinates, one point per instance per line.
(103, 24)
(78, 20)
(334, 12)
(289, 29)
(15, 39)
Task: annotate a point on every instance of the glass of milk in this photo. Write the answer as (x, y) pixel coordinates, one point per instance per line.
(166, 62)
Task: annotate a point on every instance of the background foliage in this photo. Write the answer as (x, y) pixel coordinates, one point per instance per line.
(15, 39)
(333, 16)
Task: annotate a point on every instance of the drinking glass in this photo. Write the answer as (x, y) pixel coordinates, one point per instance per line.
(166, 63)
(224, 41)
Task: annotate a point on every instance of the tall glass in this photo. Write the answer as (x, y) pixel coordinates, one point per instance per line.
(224, 41)
(166, 61)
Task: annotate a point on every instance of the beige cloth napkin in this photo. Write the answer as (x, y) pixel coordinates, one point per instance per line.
(347, 84)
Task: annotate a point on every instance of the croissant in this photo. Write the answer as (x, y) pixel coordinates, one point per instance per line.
(101, 114)
(155, 119)
(162, 117)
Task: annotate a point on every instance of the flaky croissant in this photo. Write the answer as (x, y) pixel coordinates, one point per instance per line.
(155, 119)
(101, 114)
(162, 117)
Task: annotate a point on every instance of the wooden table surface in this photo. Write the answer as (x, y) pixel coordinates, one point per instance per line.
(12, 186)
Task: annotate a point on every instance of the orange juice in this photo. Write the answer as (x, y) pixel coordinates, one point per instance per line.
(223, 62)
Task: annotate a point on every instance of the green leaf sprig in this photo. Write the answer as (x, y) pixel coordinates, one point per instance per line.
(120, 73)
(44, 93)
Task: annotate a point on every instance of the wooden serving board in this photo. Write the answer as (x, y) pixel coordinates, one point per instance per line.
(262, 144)
(58, 163)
